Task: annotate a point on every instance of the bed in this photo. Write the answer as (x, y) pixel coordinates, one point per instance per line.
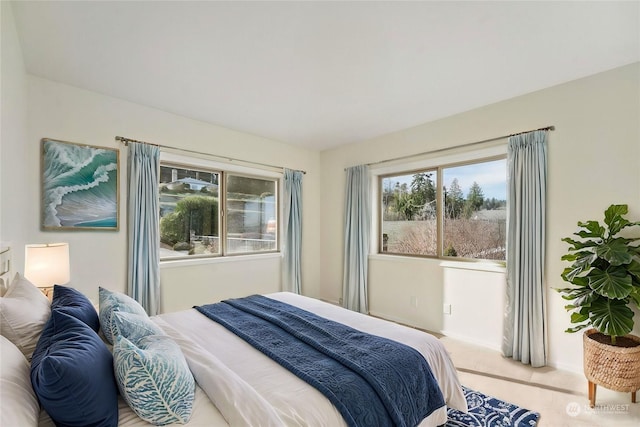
(237, 385)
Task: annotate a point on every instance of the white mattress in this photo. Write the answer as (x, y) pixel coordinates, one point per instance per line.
(249, 388)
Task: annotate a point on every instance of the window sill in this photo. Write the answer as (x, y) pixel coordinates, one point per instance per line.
(477, 266)
(402, 258)
(464, 265)
(217, 260)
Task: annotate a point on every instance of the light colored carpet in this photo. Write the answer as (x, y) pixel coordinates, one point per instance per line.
(559, 396)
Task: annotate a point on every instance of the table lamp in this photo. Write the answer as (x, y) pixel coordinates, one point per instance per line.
(46, 265)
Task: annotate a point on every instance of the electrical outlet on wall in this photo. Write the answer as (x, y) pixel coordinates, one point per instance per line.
(414, 302)
(446, 308)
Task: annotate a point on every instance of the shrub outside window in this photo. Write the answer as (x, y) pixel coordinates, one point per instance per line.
(192, 203)
(409, 213)
(463, 217)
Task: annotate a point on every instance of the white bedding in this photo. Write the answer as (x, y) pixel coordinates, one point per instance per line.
(205, 414)
(251, 389)
(239, 386)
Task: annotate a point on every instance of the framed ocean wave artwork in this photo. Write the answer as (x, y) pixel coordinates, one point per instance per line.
(79, 186)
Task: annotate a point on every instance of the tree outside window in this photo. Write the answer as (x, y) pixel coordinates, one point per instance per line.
(473, 214)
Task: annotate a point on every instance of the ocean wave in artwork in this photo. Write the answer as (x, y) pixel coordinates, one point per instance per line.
(79, 186)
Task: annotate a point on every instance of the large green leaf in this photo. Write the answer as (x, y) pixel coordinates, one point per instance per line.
(635, 296)
(611, 317)
(581, 282)
(572, 293)
(583, 297)
(594, 229)
(567, 292)
(582, 257)
(577, 328)
(583, 261)
(577, 244)
(613, 218)
(577, 317)
(634, 268)
(615, 251)
(618, 225)
(570, 273)
(613, 282)
(569, 257)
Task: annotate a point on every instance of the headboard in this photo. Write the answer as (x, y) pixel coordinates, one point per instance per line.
(5, 268)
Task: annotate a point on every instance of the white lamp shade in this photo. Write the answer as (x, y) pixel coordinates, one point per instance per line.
(47, 265)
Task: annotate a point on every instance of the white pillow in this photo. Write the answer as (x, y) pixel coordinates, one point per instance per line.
(23, 312)
(19, 404)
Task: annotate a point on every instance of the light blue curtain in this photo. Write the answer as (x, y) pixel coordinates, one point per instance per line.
(292, 250)
(525, 324)
(143, 226)
(357, 227)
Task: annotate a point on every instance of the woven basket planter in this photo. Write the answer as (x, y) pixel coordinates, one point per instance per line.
(615, 368)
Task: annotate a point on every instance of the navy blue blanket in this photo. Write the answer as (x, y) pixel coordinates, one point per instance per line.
(372, 381)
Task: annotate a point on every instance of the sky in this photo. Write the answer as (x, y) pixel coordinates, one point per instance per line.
(491, 176)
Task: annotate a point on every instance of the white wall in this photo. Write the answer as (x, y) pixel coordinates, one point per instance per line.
(594, 155)
(98, 258)
(404, 289)
(474, 303)
(13, 123)
(218, 280)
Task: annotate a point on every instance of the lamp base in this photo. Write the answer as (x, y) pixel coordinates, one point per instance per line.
(48, 292)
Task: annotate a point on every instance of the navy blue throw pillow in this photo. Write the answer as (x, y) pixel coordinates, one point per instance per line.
(72, 374)
(75, 303)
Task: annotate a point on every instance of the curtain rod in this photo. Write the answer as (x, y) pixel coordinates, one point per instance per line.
(469, 144)
(126, 141)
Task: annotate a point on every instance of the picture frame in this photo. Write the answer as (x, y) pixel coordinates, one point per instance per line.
(79, 186)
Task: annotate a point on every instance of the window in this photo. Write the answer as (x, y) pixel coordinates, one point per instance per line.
(464, 216)
(409, 213)
(251, 214)
(206, 212)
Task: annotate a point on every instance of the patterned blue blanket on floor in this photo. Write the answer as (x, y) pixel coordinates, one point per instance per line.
(372, 381)
(487, 411)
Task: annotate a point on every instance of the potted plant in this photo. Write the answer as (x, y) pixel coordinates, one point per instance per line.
(605, 274)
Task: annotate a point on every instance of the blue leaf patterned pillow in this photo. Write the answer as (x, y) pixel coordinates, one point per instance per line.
(154, 379)
(111, 302)
(132, 326)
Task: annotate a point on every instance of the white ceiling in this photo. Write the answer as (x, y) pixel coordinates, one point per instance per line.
(321, 74)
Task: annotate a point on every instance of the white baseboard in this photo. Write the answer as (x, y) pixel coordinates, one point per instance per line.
(566, 367)
(471, 340)
(395, 319)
